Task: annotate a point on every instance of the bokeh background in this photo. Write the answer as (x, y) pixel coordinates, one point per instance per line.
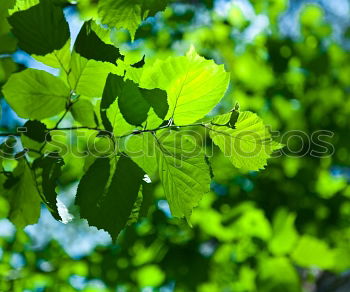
(284, 229)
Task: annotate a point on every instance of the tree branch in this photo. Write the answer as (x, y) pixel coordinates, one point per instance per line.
(135, 132)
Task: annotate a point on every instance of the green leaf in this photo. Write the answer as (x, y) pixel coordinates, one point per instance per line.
(91, 188)
(119, 125)
(36, 131)
(131, 73)
(58, 58)
(153, 120)
(128, 14)
(147, 199)
(284, 233)
(248, 145)
(135, 211)
(152, 7)
(140, 63)
(181, 165)
(8, 42)
(133, 106)
(83, 112)
(134, 103)
(109, 207)
(104, 33)
(194, 85)
(7, 67)
(23, 197)
(41, 29)
(90, 46)
(36, 94)
(88, 77)
(183, 171)
(157, 99)
(278, 274)
(109, 96)
(141, 149)
(142, 204)
(233, 119)
(47, 171)
(22, 5)
(308, 250)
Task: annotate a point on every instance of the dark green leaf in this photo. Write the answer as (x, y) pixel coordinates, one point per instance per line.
(147, 199)
(132, 103)
(7, 41)
(157, 98)
(7, 44)
(47, 171)
(90, 46)
(23, 196)
(109, 207)
(110, 93)
(36, 131)
(83, 112)
(207, 160)
(135, 211)
(40, 29)
(140, 63)
(142, 204)
(233, 118)
(151, 7)
(91, 188)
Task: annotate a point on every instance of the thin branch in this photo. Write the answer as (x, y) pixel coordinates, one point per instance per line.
(135, 132)
(75, 129)
(65, 113)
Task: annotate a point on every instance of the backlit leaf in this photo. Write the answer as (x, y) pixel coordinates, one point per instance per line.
(128, 14)
(23, 197)
(58, 58)
(248, 145)
(183, 172)
(308, 250)
(284, 233)
(194, 85)
(88, 77)
(181, 166)
(141, 149)
(109, 96)
(119, 125)
(83, 112)
(36, 94)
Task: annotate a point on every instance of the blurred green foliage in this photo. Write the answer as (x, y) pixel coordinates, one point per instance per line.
(284, 229)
